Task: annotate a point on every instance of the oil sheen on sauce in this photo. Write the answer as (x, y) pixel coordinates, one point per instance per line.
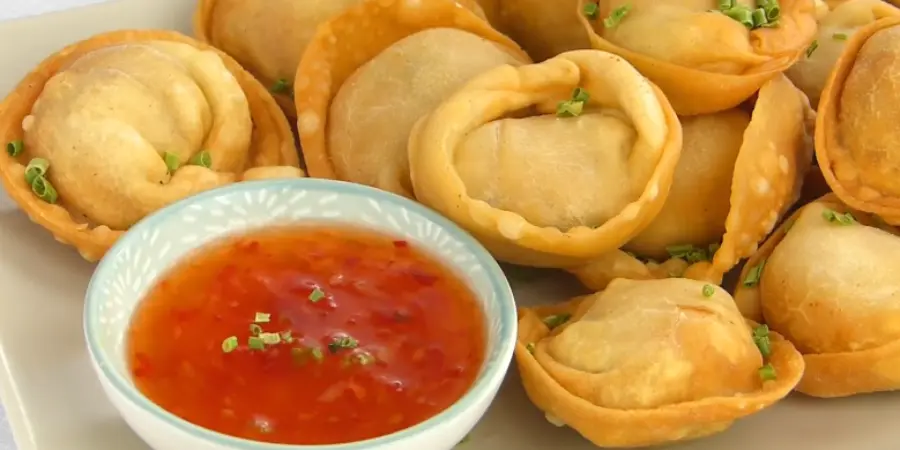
(307, 335)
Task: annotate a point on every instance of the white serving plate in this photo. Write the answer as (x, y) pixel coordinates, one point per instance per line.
(54, 403)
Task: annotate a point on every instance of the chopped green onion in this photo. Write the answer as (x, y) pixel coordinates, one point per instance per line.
(688, 253)
(616, 16)
(44, 190)
(270, 338)
(317, 354)
(316, 295)
(172, 161)
(15, 148)
(812, 48)
(755, 274)
(202, 159)
(759, 17)
(287, 337)
(255, 329)
(708, 290)
(767, 372)
(761, 339)
(741, 14)
(281, 86)
(230, 344)
(342, 342)
(36, 168)
(530, 347)
(556, 320)
(569, 108)
(580, 95)
(838, 218)
(262, 318)
(725, 5)
(591, 10)
(839, 36)
(363, 358)
(256, 343)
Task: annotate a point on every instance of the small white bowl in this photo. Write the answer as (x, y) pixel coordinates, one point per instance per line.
(154, 245)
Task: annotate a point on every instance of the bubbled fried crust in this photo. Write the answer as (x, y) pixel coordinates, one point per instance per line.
(272, 141)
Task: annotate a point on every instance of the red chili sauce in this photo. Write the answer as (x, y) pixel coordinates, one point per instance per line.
(307, 335)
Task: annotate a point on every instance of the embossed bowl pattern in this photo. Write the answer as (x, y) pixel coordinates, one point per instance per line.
(156, 244)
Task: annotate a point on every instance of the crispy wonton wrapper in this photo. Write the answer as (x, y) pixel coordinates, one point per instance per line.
(107, 112)
(269, 37)
(811, 71)
(371, 72)
(543, 28)
(541, 190)
(830, 283)
(663, 40)
(857, 132)
(760, 159)
(689, 370)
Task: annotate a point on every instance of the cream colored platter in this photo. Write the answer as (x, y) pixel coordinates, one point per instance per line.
(53, 402)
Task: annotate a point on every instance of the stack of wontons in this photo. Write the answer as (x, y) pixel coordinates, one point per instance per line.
(649, 147)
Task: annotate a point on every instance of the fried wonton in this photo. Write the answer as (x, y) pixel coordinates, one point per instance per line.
(704, 60)
(269, 37)
(811, 71)
(857, 133)
(829, 281)
(651, 362)
(113, 128)
(371, 72)
(738, 174)
(543, 28)
(550, 164)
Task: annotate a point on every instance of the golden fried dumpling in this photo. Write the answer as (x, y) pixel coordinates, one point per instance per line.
(651, 362)
(371, 72)
(829, 281)
(542, 178)
(737, 175)
(113, 128)
(269, 37)
(702, 59)
(543, 28)
(857, 133)
(811, 71)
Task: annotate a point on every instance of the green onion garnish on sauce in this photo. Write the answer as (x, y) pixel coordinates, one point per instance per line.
(591, 10)
(256, 343)
(15, 148)
(616, 16)
(202, 159)
(812, 49)
(172, 161)
(287, 337)
(708, 290)
(317, 354)
(262, 318)
(761, 339)
(767, 372)
(839, 36)
(342, 342)
(556, 320)
(230, 344)
(838, 218)
(363, 358)
(270, 338)
(754, 275)
(255, 329)
(316, 295)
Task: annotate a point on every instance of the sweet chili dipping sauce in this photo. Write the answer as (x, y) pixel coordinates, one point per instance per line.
(307, 335)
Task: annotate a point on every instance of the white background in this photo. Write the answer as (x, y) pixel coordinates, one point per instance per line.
(10, 10)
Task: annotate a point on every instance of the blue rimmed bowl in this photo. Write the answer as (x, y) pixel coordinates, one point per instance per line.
(159, 242)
